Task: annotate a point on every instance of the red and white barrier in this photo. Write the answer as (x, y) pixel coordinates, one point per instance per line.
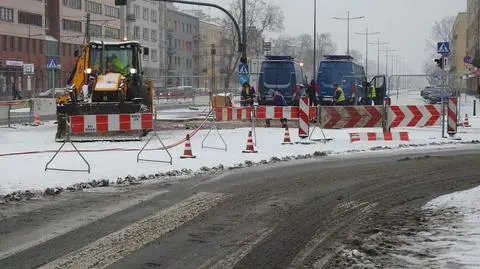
(452, 116)
(110, 122)
(385, 136)
(338, 117)
(262, 113)
(233, 113)
(413, 116)
(304, 119)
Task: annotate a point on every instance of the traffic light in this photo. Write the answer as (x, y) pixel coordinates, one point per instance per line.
(120, 2)
(440, 62)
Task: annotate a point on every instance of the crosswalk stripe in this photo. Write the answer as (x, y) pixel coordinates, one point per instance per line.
(113, 247)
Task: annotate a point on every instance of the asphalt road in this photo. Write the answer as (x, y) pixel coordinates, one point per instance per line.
(295, 215)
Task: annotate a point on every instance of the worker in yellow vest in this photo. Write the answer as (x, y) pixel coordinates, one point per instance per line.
(372, 94)
(339, 98)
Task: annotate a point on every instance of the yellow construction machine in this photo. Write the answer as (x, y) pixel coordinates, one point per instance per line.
(107, 79)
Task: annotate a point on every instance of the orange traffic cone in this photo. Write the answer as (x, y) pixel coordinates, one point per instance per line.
(466, 123)
(187, 153)
(286, 137)
(250, 148)
(37, 119)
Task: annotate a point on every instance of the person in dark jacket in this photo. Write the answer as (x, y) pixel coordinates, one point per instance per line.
(312, 90)
(247, 95)
(279, 100)
(15, 93)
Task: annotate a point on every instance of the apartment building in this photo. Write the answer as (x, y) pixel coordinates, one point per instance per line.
(212, 35)
(473, 35)
(459, 51)
(183, 40)
(144, 21)
(22, 40)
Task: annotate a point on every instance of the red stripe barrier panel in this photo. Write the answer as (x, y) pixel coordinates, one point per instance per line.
(337, 117)
(452, 116)
(103, 123)
(413, 116)
(263, 113)
(382, 136)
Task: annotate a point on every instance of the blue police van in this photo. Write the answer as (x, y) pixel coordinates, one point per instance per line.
(350, 76)
(284, 74)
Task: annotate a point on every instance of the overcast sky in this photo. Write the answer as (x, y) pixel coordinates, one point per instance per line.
(405, 24)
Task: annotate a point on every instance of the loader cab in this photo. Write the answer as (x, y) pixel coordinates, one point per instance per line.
(115, 57)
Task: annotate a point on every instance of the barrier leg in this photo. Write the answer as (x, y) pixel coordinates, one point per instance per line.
(214, 126)
(254, 117)
(155, 135)
(67, 140)
(319, 126)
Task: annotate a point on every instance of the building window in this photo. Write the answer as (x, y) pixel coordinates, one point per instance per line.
(40, 44)
(94, 7)
(6, 14)
(34, 45)
(74, 26)
(76, 4)
(154, 55)
(95, 30)
(29, 18)
(137, 11)
(145, 34)
(183, 27)
(27, 44)
(145, 14)
(154, 35)
(136, 32)
(112, 32)
(153, 15)
(53, 48)
(145, 57)
(12, 43)
(20, 43)
(113, 12)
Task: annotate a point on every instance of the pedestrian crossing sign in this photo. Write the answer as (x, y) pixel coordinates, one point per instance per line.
(243, 69)
(443, 48)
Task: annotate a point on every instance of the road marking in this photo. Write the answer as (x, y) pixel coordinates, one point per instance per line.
(113, 247)
(244, 247)
(67, 224)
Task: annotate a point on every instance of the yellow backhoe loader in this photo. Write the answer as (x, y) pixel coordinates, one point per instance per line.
(107, 79)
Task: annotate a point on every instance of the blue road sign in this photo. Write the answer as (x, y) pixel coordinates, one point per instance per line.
(443, 48)
(467, 59)
(243, 74)
(52, 64)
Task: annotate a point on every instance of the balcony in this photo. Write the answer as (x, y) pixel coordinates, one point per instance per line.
(131, 17)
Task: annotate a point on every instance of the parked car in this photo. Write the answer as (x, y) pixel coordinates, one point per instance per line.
(438, 93)
(425, 92)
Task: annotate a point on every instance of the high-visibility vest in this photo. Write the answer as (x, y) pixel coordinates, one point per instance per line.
(342, 95)
(372, 92)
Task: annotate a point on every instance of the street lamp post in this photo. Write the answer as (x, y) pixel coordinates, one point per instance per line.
(348, 19)
(367, 34)
(314, 39)
(378, 53)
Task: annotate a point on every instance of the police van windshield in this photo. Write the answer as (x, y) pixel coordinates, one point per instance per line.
(334, 72)
(277, 73)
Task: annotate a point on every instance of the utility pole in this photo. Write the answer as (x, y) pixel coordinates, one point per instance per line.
(88, 28)
(314, 39)
(244, 30)
(367, 34)
(348, 19)
(214, 52)
(378, 53)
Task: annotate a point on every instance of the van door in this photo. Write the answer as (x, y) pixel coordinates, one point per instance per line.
(381, 88)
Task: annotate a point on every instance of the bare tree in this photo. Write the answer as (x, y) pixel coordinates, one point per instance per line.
(357, 56)
(441, 31)
(283, 45)
(262, 17)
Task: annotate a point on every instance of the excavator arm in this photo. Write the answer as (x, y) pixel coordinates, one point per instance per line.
(78, 77)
